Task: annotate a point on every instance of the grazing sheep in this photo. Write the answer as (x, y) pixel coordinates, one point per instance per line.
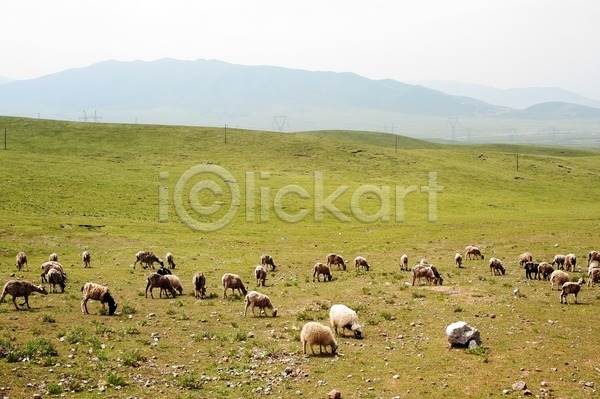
(18, 288)
(170, 261)
(147, 259)
(22, 261)
(472, 252)
(199, 283)
(593, 256)
(359, 262)
(256, 299)
(429, 272)
(266, 261)
(424, 262)
(570, 288)
(404, 262)
(233, 282)
(54, 278)
(496, 267)
(559, 260)
(570, 262)
(333, 259)
(155, 280)
(314, 333)
(346, 318)
(558, 277)
(46, 266)
(53, 257)
(163, 271)
(175, 283)
(324, 270)
(86, 258)
(593, 277)
(458, 259)
(525, 258)
(100, 293)
(532, 270)
(593, 265)
(261, 275)
(544, 271)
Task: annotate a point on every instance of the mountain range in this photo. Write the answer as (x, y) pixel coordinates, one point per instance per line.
(216, 93)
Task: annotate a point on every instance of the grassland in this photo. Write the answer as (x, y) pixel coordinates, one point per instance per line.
(69, 187)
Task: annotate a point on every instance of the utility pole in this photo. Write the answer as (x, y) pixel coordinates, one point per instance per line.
(225, 133)
(453, 121)
(5, 139)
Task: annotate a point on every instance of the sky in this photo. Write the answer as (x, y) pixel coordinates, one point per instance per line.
(497, 43)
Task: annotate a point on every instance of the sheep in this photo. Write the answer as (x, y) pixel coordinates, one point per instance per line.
(256, 299)
(333, 259)
(314, 333)
(163, 271)
(532, 270)
(544, 271)
(266, 261)
(199, 283)
(53, 257)
(570, 262)
(346, 318)
(23, 288)
(261, 275)
(359, 262)
(175, 283)
(593, 277)
(429, 272)
(558, 277)
(593, 256)
(170, 261)
(99, 293)
(86, 258)
(54, 278)
(570, 288)
(458, 259)
(472, 252)
(424, 262)
(559, 260)
(525, 258)
(496, 267)
(324, 270)
(155, 280)
(593, 265)
(46, 266)
(22, 261)
(233, 281)
(404, 262)
(147, 259)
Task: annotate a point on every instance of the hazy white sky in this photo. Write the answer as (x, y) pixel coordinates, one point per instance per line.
(499, 43)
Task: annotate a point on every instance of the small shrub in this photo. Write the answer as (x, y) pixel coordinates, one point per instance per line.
(190, 382)
(132, 357)
(46, 318)
(386, 315)
(303, 316)
(239, 336)
(115, 379)
(128, 309)
(54, 389)
(458, 309)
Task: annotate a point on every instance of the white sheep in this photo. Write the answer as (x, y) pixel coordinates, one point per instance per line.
(314, 333)
(54, 278)
(175, 283)
(559, 260)
(22, 261)
(99, 293)
(23, 288)
(346, 318)
(333, 259)
(199, 283)
(570, 288)
(155, 280)
(53, 257)
(404, 262)
(558, 277)
(321, 269)
(593, 277)
(233, 282)
(256, 299)
(525, 258)
(496, 267)
(472, 252)
(593, 256)
(359, 262)
(266, 261)
(170, 261)
(261, 275)
(458, 259)
(86, 258)
(544, 271)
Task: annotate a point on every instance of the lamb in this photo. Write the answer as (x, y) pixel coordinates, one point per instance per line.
(23, 288)
(170, 261)
(404, 262)
(22, 261)
(324, 270)
(199, 283)
(532, 270)
(458, 259)
(544, 271)
(496, 267)
(359, 262)
(570, 262)
(147, 259)
(256, 299)
(99, 293)
(558, 277)
(261, 275)
(333, 259)
(559, 260)
(234, 282)
(570, 288)
(86, 258)
(593, 256)
(314, 333)
(593, 277)
(175, 283)
(472, 252)
(53, 257)
(346, 318)
(54, 278)
(525, 258)
(429, 272)
(155, 280)
(46, 266)
(266, 261)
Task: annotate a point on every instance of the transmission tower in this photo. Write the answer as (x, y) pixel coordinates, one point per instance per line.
(453, 121)
(280, 121)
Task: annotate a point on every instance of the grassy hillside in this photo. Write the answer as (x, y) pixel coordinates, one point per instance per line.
(116, 189)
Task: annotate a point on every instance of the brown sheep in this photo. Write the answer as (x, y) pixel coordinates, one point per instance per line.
(496, 267)
(266, 261)
(261, 301)
(472, 252)
(525, 258)
(147, 259)
(46, 266)
(22, 261)
(261, 275)
(54, 278)
(86, 258)
(175, 283)
(99, 293)
(324, 270)
(359, 262)
(404, 262)
(544, 271)
(155, 280)
(199, 283)
(429, 272)
(570, 262)
(593, 277)
(559, 260)
(333, 259)
(570, 288)
(170, 261)
(18, 288)
(558, 277)
(233, 282)
(593, 256)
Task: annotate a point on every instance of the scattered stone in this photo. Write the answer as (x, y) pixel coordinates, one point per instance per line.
(527, 392)
(506, 391)
(298, 392)
(544, 383)
(396, 376)
(588, 384)
(519, 386)
(461, 334)
(334, 394)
